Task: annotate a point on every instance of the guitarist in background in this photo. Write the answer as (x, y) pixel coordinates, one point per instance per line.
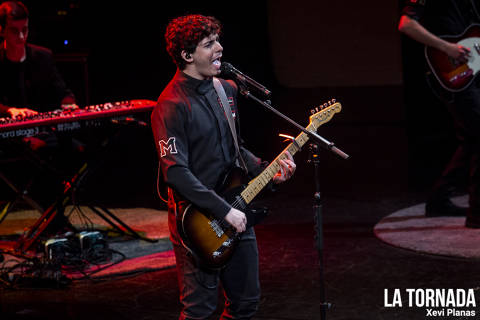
(195, 148)
(424, 21)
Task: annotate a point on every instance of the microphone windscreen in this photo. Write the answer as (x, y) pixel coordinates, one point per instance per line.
(226, 68)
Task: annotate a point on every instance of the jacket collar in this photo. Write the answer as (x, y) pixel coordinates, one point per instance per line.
(201, 86)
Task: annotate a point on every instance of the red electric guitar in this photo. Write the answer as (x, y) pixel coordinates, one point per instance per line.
(453, 75)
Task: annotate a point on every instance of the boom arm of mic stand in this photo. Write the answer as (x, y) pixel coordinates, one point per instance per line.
(314, 136)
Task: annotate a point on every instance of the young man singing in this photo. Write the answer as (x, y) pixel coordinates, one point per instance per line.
(195, 147)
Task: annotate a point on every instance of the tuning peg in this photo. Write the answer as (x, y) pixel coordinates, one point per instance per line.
(312, 111)
(329, 102)
(334, 100)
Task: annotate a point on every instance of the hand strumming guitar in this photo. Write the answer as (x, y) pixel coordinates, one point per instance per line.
(237, 219)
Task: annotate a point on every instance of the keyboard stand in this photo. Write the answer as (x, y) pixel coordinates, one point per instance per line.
(58, 207)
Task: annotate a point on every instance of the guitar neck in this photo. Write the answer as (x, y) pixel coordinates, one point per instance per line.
(256, 185)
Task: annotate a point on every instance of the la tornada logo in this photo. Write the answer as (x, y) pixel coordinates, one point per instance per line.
(437, 302)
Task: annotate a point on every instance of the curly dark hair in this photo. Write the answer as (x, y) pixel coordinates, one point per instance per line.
(186, 32)
(14, 10)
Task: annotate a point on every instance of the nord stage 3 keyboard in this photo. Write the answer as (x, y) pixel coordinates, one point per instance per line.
(71, 120)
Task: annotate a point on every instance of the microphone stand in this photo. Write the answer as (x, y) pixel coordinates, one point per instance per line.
(317, 204)
(318, 226)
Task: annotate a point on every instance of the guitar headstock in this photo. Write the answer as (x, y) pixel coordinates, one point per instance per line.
(324, 112)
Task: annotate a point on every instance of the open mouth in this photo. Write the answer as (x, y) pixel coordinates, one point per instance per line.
(216, 62)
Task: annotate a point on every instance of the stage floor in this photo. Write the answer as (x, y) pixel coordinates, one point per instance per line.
(358, 269)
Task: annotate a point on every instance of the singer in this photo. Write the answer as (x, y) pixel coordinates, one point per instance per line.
(196, 147)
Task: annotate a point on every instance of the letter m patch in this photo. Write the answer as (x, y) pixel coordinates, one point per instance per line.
(168, 146)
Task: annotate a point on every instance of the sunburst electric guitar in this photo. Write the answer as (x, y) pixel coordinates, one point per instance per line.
(213, 241)
(453, 75)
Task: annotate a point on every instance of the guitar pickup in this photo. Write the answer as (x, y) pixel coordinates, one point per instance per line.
(227, 243)
(216, 228)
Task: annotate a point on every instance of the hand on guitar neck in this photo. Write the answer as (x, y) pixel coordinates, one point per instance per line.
(287, 169)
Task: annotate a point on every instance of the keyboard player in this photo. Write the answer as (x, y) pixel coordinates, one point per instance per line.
(29, 84)
(29, 80)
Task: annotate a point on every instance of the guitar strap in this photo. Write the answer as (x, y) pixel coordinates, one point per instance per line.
(228, 113)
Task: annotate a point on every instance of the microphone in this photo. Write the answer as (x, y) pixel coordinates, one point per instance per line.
(228, 69)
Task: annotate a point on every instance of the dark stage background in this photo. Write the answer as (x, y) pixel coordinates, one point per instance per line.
(306, 53)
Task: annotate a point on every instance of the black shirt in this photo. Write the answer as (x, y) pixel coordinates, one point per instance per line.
(34, 83)
(443, 17)
(194, 142)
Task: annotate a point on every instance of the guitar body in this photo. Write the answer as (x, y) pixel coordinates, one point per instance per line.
(211, 240)
(452, 75)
